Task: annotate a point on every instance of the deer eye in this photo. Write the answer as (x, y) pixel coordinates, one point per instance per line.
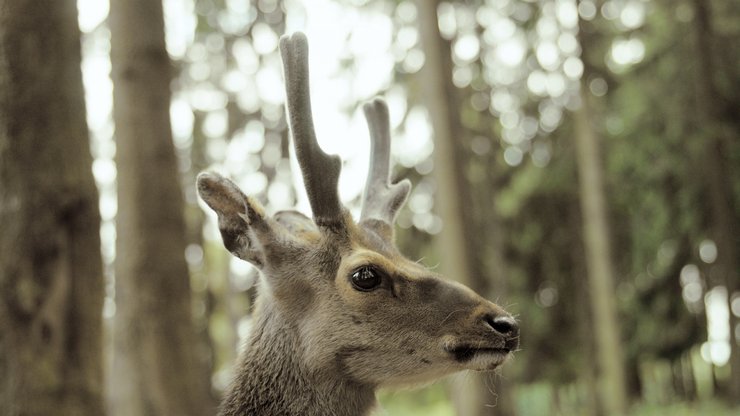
(366, 278)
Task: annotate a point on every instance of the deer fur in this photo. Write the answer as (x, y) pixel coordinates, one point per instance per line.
(340, 311)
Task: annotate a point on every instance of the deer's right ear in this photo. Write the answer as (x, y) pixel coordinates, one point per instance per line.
(238, 216)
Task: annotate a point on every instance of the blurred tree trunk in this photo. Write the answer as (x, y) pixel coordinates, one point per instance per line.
(611, 377)
(158, 365)
(51, 273)
(474, 396)
(600, 270)
(584, 323)
(723, 214)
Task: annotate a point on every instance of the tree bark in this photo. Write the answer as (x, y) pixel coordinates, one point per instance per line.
(599, 265)
(453, 201)
(722, 212)
(51, 273)
(158, 367)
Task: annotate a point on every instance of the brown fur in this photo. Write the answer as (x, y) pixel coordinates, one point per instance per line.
(321, 345)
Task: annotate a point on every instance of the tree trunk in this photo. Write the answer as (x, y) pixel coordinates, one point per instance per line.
(600, 270)
(51, 273)
(475, 396)
(587, 372)
(722, 212)
(158, 367)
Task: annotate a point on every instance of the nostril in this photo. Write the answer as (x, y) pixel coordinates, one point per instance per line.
(504, 325)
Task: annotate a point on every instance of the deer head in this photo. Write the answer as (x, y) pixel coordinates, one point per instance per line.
(355, 307)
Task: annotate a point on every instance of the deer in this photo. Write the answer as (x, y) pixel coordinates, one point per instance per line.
(340, 312)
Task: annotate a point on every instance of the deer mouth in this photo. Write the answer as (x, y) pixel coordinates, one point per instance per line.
(466, 353)
(479, 358)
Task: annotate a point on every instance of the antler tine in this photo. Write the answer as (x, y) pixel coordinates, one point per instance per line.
(381, 199)
(320, 171)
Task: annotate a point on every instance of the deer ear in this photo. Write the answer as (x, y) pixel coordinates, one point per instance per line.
(237, 214)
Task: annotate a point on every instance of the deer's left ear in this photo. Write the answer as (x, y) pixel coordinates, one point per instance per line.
(238, 216)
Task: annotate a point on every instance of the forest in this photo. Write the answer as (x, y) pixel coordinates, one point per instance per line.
(576, 162)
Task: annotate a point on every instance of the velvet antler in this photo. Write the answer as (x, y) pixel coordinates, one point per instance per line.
(320, 171)
(381, 199)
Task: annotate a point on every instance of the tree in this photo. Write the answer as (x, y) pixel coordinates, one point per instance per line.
(51, 278)
(599, 266)
(157, 364)
(597, 245)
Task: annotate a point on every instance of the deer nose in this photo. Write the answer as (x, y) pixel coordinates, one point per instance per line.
(503, 324)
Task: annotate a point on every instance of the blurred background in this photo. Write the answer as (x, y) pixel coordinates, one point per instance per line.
(577, 162)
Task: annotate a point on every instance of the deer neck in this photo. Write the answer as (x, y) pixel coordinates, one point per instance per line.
(272, 379)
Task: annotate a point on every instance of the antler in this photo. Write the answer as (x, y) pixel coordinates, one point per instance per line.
(381, 199)
(320, 171)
